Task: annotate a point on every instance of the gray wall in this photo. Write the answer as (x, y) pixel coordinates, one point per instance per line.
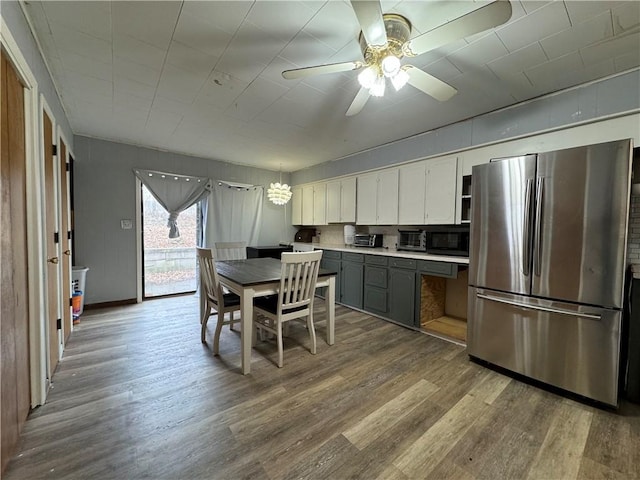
(611, 96)
(19, 28)
(105, 193)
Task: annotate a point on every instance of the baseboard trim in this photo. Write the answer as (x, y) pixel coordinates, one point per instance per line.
(116, 303)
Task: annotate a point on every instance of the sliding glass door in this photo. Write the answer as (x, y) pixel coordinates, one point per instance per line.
(169, 264)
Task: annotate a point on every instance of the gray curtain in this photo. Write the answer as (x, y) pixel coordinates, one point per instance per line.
(174, 192)
(233, 214)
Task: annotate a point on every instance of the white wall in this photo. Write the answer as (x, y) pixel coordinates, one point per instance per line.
(105, 193)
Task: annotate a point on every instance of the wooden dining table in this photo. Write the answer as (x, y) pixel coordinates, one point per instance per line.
(256, 277)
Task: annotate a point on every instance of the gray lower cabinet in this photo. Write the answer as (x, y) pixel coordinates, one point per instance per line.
(375, 285)
(385, 286)
(331, 261)
(352, 276)
(402, 288)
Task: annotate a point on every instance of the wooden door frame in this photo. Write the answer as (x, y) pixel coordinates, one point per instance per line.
(45, 109)
(35, 231)
(61, 138)
(139, 267)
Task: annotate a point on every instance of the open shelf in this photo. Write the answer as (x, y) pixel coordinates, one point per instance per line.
(443, 305)
(465, 214)
(452, 327)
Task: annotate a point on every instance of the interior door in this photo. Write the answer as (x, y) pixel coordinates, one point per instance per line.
(501, 224)
(65, 240)
(582, 204)
(14, 314)
(53, 261)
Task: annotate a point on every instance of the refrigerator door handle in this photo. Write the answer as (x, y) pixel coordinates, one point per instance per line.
(526, 229)
(537, 249)
(590, 316)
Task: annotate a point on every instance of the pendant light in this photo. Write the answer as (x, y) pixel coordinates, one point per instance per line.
(279, 193)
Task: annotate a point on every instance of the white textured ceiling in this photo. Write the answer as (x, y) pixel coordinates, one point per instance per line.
(204, 78)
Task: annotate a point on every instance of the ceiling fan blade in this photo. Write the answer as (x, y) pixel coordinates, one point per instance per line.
(369, 15)
(358, 102)
(486, 17)
(429, 84)
(321, 69)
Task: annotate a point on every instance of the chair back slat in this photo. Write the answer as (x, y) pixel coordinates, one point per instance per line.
(208, 273)
(298, 279)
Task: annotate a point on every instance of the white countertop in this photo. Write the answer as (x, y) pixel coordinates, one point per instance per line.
(391, 252)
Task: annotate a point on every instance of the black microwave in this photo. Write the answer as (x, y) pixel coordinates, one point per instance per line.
(447, 240)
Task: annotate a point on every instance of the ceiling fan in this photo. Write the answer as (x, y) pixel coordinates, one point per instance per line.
(385, 41)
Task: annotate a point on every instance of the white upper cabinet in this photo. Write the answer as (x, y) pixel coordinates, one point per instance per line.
(296, 206)
(307, 205)
(320, 204)
(333, 201)
(412, 184)
(427, 192)
(367, 195)
(348, 200)
(440, 201)
(377, 198)
(388, 197)
(341, 200)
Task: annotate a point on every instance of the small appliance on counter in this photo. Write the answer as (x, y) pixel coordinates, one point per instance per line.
(412, 240)
(305, 235)
(349, 234)
(372, 240)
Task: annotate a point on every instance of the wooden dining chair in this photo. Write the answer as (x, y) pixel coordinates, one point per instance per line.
(303, 247)
(215, 299)
(231, 250)
(294, 300)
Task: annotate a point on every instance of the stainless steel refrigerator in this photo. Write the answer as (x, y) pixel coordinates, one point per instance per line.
(547, 263)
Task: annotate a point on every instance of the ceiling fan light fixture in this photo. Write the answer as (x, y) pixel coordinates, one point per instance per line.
(377, 89)
(390, 66)
(367, 77)
(400, 79)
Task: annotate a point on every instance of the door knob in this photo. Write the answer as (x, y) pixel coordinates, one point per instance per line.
(53, 260)
(67, 252)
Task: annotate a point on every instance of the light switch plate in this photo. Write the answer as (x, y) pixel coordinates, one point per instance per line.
(126, 224)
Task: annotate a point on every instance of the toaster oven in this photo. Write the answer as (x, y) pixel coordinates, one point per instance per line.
(367, 240)
(412, 240)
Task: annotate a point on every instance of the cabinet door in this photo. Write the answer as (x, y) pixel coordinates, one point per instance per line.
(307, 205)
(375, 276)
(387, 202)
(375, 300)
(333, 201)
(335, 265)
(402, 285)
(411, 194)
(320, 204)
(441, 191)
(296, 206)
(367, 195)
(348, 200)
(351, 287)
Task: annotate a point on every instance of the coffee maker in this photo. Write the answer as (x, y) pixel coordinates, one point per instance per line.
(305, 235)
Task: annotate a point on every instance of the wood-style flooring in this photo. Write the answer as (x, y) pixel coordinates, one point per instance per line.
(138, 396)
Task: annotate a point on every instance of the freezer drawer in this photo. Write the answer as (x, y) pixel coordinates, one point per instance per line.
(573, 347)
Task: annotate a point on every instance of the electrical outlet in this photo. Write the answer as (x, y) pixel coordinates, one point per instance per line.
(126, 224)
